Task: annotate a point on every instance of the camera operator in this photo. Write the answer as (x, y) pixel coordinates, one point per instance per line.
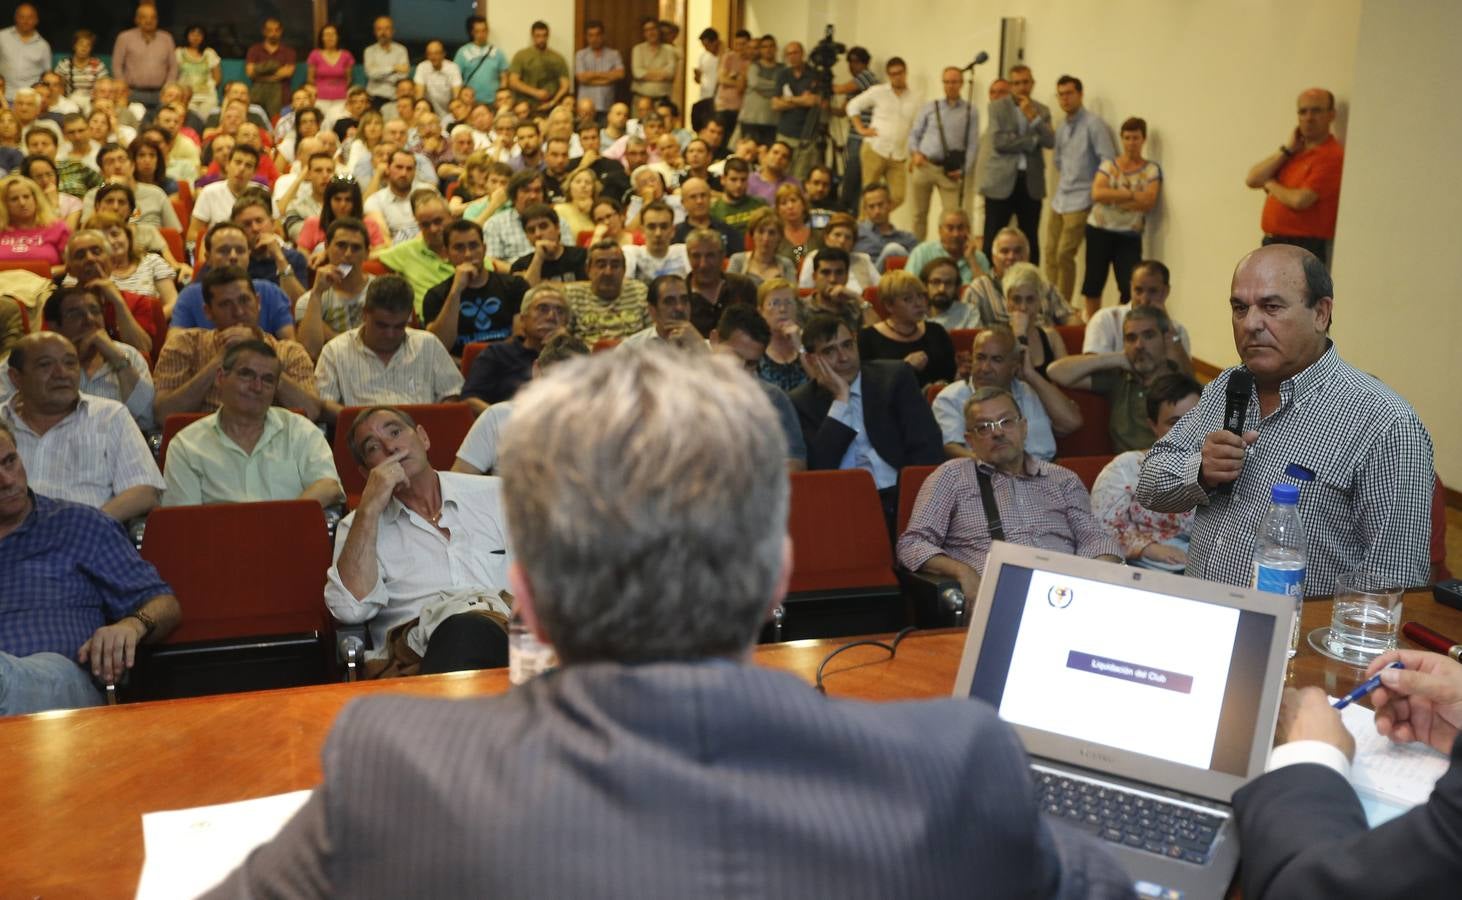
(795, 102)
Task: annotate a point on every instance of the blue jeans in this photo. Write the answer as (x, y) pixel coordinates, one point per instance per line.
(44, 681)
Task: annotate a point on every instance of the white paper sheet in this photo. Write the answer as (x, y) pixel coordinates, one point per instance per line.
(1390, 778)
(189, 851)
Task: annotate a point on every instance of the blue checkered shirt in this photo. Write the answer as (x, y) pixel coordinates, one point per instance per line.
(65, 572)
(1368, 508)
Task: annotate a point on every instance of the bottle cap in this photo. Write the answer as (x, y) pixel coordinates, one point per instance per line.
(1285, 494)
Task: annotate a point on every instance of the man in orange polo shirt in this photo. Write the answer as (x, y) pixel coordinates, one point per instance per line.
(1302, 179)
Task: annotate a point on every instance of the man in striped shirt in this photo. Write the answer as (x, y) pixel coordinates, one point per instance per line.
(1040, 504)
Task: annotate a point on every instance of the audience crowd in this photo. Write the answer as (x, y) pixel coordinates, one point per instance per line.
(306, 254)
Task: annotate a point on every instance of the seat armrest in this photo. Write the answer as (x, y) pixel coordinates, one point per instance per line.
(351, 644)
(938, 601)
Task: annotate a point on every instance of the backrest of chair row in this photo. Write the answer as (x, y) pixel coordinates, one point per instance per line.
(839, 538)
(1087, 468)
(910, 480)
(469, 353)
(242, 569)
(446, 425)
(1093, 438)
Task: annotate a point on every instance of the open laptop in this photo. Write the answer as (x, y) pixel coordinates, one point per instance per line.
(1144, 699)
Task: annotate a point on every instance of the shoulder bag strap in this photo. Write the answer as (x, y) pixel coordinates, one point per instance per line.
(992, 512)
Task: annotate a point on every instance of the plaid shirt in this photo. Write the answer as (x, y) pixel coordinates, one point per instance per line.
(1046, 506)
(1368, 508)
(190, 349)
(64, 573)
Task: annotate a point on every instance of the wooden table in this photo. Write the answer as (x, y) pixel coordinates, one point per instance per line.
(77, 783)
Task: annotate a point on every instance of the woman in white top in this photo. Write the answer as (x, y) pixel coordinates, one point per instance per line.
(761, 262)
(1122, 192)
(132, 270)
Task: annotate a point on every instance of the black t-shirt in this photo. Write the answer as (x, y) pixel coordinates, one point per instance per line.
(487, 312)
(571, 265)
(731, 239)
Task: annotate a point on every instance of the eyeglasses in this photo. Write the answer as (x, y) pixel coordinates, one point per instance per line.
(987, 428)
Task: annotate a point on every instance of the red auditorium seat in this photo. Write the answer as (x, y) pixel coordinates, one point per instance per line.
(1073, 335)
(1093, 438)
(1087, 468)
(469, 353)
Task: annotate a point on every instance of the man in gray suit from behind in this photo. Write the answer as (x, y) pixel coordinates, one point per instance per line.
(1013, 178)
(647, 499)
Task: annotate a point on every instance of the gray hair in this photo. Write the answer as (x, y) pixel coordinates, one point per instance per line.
(1012, 231)
(985, 395)
(699, 236)
(643, 539)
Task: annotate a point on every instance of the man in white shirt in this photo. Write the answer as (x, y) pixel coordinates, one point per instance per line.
(418, 538)
(110, 369)
(386, 63)
(885, 152)
(393, 202)
(76, 447)
(658, 256)
(385, 362)
(215, 203)
(437, 77)
(669, 302)
(24, 54)
(1150, 287)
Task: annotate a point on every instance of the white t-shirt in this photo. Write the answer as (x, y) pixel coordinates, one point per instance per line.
(479, 448)
(638, 263)
(215, 203)
(708, 65)
(396, 211)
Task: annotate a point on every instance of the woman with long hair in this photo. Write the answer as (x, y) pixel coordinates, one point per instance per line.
(200, 68)
(368, 133)
(133, 270)
(118, 200)
(29, 226)
(580, 193)
(799, 238)
(342, 199)
(149, 164)
(308, 122)
(42, 170)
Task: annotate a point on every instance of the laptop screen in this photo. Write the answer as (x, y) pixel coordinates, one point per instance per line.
(1169, 677)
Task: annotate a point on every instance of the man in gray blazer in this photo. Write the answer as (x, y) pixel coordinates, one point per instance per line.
(647, 497)
(1013, 178)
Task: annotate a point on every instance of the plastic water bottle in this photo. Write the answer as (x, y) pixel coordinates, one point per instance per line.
(528, 657)
(1279, 553)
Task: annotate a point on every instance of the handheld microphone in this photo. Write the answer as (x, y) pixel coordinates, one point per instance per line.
(1236, 410)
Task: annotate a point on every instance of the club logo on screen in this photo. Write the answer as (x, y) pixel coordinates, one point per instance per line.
(1060, 597)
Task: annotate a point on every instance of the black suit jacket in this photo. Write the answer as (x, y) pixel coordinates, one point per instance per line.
(899, 423)
(1304, 834)
(673, 780)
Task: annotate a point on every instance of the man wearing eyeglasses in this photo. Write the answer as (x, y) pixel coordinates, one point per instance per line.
(1039, 504)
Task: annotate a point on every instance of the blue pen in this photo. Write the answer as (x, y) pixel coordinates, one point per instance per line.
(1370, 684)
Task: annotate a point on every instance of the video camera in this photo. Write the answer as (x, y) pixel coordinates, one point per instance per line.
(825, 54)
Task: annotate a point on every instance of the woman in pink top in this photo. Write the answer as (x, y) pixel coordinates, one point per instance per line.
(329, 71)
(342, 200)
(29, 227)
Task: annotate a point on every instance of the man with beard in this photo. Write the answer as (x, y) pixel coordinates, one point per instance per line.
(1123, 377)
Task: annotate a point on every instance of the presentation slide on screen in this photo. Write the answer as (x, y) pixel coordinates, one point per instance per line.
(1130, 669)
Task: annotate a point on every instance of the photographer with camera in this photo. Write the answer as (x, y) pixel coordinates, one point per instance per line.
(944, 143)
(885, 146)
(795, 101)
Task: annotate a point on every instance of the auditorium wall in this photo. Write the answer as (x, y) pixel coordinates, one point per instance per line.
(1216, 83)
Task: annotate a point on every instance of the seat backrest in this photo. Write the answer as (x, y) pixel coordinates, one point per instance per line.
(242, 569)
(1087, 468)
(932, 389)
(174, 239)
(173, 424)
(445, 423)
(839, 539)
(911, 478)
(605, 344)
(964, 339)
(871, 295)
(1440, 572)
(895, 262)
(584, 238)
(1093, 438)
(469, 353)
(38, 266)
(1072, 336)
(375, 267)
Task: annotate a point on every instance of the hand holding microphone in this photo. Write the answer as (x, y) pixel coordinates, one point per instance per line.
(1224, 451)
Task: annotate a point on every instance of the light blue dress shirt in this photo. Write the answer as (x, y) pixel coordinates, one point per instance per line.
(1081, 145)
(860, 453)
(961, 131)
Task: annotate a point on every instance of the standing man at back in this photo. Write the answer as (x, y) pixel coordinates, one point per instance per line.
(1302, 180)
(482, 65)
(386, 63)
(598, 69)
(1081, 144)
(944, 142)
(143, 57)
(884, 146)
(538, 74)
(690, 743)
(1013, 178)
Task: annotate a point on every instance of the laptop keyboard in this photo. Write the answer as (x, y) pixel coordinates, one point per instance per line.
(1137, 820)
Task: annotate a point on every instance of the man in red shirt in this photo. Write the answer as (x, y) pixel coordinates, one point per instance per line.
(1302, 180)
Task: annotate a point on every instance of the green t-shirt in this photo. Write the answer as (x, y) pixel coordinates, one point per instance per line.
(1128, 427)
(540, 68)
(738, 214)
(415, 261)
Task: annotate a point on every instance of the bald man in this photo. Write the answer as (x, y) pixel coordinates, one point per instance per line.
(1302, 179)
(1361, 456)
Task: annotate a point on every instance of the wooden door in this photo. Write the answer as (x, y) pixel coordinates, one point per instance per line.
(621, 20)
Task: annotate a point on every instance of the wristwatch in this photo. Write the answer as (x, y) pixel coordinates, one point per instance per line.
(148, 625)
(285, 271)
